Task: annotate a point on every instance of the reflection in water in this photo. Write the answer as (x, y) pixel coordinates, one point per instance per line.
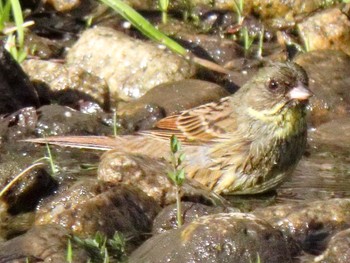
(323, 174)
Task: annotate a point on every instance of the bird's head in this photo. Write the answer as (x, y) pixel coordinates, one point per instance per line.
(277, 88)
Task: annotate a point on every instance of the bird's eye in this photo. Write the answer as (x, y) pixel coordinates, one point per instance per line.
(273, 85)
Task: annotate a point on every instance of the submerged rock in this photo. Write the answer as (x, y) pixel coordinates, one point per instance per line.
(231, 237)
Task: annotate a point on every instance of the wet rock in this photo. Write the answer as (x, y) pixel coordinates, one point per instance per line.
(310, 224)
(328, 29)
(150, 175)
(15, 88)
(328, 73)
(167, 99)
(130, 66)
(66, 84)
(232, 237)
(180, 95)
(47, 243)
(139, 171)
(25, 193)
(59, 120)
(14, 225)
(41, 47)
(139, 116)
(18, 125)
(167, 218)
(89, 206)
(338, 249)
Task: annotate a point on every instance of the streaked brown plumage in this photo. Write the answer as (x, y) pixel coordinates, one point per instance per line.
(244, 144)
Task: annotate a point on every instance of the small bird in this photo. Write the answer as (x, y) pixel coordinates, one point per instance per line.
(246, 143)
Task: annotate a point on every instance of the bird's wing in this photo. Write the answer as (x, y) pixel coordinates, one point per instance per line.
(201, 124)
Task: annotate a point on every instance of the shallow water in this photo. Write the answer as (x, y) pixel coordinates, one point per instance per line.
(318, 177)
(323, 173)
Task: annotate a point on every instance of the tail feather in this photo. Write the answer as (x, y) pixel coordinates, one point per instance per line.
(102, 143)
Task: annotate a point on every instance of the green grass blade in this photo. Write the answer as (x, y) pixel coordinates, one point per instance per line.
(5, 14)
(69, 252)
(17, 14)
(144, 26)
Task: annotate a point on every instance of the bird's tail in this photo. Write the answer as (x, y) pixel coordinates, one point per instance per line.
(103, 143)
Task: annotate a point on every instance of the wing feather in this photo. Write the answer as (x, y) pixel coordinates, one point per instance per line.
(200, 124)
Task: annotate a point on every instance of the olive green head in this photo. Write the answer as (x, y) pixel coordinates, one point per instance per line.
(276, 86)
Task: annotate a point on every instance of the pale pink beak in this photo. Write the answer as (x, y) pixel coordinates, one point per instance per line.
(300, 92)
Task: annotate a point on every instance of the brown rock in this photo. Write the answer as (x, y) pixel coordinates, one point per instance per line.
(89, 206)
(231, 237)
(328, 29)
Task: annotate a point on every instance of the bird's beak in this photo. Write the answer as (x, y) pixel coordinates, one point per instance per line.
(299, 92)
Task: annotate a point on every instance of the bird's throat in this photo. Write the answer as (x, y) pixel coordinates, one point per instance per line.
(283, 120)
